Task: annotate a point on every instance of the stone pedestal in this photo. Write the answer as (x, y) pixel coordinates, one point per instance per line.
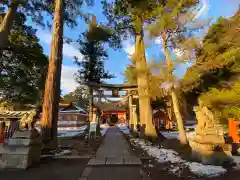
(207, 142)
(22, 150)
(142, 130)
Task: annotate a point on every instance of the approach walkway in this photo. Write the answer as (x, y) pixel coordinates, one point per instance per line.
(114, 160)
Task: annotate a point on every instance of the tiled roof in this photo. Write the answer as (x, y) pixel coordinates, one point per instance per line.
(13, 114)
(109, 107)
(64, 105)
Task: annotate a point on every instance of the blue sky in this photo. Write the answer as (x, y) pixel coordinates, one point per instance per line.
(119, 59)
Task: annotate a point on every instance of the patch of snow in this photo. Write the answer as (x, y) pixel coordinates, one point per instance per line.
(162, 155)
(150, 165)
(71, 133)
(206, 170)
(236, 160)
(104, 128)
(124, 128)
(121, 125)
(175, 170)
(173, 134)
(170, 134)
(63, 152)
(72, 128)
(103, 132)
(177, 163)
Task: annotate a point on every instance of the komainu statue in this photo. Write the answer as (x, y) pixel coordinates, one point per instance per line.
(207, 142)
(205, 118)
(28, 120)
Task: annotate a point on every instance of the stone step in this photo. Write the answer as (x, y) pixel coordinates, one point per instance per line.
(115, 161)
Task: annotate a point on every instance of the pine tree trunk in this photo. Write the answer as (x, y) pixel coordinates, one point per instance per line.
(176, 109)
(90, 94)
(6, 25)
(52, 86)
(143, 86)
(182, 134)
(169, 120)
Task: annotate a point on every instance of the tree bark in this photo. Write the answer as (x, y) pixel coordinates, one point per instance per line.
(182, 134)
(90, 111)
(52, 87)
(176, 108)
(169, 111)
(143, 86)
(6, 25)
(130, 102)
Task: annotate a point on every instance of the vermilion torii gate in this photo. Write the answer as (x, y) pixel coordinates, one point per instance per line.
(131, 93)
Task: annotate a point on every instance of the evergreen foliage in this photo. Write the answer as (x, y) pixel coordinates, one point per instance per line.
(23, 66)
(216, 71)
(91, 67)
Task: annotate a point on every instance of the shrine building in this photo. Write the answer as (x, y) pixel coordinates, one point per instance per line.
(116, 113)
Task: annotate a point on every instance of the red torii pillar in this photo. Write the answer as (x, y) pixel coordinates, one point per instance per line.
(2, 128)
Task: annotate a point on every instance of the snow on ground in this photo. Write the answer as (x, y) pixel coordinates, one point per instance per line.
(63, 152)
(104, 128)
(236, 160)
(203, 170)
(124, 128)
(172, 134)
(167, 155)
(71, 133)
(175, 134)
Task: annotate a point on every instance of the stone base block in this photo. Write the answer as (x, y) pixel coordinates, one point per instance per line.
(14, 161)
(19, 157)
(212, 157)
(208, 139)
(209, 147)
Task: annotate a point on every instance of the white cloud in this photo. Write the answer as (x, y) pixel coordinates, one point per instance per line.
(68, 49)
(129, 48)
(68, 82)
(158, 40)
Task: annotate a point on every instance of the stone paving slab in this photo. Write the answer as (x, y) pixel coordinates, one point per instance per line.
(115, 173)
(73, 157)
(111, 160)
(97, 161)
(132, 161)
(86, 172)
(114, 160)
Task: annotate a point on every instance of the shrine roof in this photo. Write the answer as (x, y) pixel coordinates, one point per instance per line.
(109, 107)
(64, 105)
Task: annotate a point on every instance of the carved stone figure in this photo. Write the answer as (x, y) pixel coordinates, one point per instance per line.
(207, 142)
(204, 117)
(28, 120)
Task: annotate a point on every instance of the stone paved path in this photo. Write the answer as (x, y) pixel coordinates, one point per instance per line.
(114, 160)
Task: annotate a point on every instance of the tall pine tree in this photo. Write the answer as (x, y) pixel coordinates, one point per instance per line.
(91, 67)
(127, 18)
(65, 11)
